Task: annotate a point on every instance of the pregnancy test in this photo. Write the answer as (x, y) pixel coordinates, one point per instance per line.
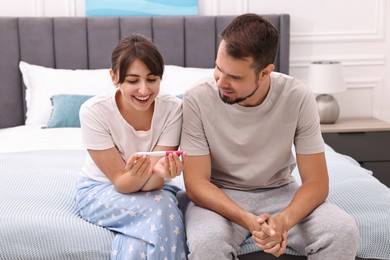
(160, 153)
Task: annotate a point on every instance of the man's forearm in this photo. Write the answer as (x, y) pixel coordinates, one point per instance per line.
(307, 198)
(209, 196)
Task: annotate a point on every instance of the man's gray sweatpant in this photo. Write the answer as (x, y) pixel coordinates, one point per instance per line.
(327, 233)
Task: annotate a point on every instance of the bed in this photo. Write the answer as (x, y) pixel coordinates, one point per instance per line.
(49, 66)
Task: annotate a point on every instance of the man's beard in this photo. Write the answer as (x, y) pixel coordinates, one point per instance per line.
(229, 101)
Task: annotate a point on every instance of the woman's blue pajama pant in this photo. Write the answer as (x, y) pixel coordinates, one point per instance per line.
(148, 225)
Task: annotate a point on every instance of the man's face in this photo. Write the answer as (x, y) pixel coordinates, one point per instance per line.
(236, 79)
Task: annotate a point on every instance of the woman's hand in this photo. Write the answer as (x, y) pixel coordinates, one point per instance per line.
(139, 166)
(170, 166)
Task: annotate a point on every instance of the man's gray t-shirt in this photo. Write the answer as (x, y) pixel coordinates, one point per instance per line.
(251, 147)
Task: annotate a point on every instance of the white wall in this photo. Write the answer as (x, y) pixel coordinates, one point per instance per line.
(355, 32)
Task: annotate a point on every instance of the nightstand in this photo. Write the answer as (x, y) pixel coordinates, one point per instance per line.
(367, 140)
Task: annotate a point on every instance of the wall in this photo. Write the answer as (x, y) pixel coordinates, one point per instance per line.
(355, 32)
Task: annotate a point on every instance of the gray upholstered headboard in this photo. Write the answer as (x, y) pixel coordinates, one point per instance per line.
(87, 42)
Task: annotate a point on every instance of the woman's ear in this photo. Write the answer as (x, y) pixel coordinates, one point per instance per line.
(114, 78)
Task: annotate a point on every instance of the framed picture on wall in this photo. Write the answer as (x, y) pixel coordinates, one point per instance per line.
(140, 7)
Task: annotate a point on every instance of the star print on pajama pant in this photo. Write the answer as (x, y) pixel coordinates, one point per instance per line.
(148, 225)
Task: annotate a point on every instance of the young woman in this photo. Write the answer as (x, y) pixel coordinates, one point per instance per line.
(118, 189)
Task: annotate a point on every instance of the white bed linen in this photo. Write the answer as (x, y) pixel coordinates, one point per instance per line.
(30, 138)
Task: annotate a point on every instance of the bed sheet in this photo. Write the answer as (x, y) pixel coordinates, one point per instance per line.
(34, 137)
(39, 168)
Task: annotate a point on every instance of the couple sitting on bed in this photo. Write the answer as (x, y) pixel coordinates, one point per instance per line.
(237, 130)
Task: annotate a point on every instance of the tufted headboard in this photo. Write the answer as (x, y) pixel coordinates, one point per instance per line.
(87, 42)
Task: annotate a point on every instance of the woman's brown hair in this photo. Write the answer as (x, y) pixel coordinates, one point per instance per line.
(134, 47)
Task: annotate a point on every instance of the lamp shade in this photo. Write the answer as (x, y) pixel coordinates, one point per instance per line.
(326, 77)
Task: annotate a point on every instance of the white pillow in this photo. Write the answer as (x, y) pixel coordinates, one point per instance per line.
(42, 83)
(176, 80)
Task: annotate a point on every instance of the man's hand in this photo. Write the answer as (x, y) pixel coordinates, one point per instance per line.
(270, 238)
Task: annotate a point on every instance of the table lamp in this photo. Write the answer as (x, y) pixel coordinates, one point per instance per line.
(326, 78)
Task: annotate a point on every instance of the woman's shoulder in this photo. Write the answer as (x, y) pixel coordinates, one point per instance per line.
(168, 104)
(97, 102)
(99, 98)
(170, 99)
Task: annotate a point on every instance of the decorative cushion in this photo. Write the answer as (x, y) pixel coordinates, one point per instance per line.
(66, 109)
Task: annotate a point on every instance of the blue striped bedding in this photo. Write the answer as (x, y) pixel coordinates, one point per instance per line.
(38, 218)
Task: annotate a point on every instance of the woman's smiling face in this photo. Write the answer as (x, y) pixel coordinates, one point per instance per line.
(140, 86)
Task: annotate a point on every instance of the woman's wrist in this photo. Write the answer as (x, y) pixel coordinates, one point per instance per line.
(155, 182)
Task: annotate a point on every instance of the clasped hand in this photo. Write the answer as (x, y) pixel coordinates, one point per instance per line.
(270, 237)
(169, 166)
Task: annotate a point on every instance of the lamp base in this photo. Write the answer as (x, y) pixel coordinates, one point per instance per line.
(328, 108)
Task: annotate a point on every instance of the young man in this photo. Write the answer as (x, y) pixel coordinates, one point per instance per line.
(238, 131)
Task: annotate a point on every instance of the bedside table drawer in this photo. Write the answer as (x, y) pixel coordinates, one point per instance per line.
(362, 146)
(381, 171)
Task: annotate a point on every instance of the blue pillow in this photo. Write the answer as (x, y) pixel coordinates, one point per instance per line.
(65, 110)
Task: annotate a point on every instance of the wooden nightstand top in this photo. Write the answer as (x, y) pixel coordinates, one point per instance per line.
(368, 124)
